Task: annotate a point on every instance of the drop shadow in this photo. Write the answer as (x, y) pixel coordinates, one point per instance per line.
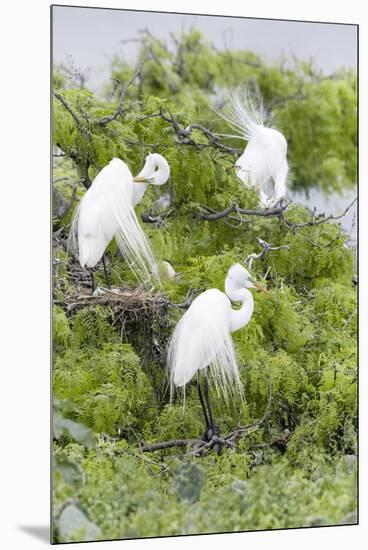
(40, 532)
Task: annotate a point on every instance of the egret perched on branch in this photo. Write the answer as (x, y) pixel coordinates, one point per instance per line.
(202, 338)
(107, 211)
(264, 157)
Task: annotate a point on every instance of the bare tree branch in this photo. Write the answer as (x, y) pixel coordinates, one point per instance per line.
(120, 108)
(213, 214)
(183, 136)
(213, 138)
(247, 430)
(321, 218)
(191, 294)
(200, 445)
(68, 107)
(266, 248)
(149, 448)
(158, 218)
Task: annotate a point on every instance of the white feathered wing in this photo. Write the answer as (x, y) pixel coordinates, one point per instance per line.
(106, 211)
(264, 157)
(202, 338)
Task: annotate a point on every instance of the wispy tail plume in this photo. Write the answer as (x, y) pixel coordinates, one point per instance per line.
(243, 113)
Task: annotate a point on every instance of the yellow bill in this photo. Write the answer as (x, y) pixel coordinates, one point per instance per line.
(260, 287)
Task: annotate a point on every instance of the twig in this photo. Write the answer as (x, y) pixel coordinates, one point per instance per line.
(149, 448)
(254, 425)
(158, 218)
(64, 102)
(217, 215)
(183, 136)
(191, 294)
(210, 214)
(279, 441)
(201, 445)
(322, 218)
(120, 110)
(266, 247)
(213, 138)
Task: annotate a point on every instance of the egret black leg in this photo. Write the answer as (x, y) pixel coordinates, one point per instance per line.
(202, 402)
(206, 393)
(106, 272)
(92, 282)
(212, 430)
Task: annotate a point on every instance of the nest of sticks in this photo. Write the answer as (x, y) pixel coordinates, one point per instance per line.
(136, 299)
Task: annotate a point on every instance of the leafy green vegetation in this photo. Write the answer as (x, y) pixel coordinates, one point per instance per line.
(297, 356)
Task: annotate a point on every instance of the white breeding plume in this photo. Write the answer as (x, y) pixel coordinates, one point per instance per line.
(107, 211)
(202, 338)
(264, 157)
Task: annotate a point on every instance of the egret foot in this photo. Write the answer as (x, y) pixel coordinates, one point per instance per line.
(211, 431)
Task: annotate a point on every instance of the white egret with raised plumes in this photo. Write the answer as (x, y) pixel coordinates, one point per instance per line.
(263, 161)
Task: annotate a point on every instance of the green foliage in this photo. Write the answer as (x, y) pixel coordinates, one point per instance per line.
(107, 386)
(130, 495)
(296, 469)
(61, 329)
(64, 427)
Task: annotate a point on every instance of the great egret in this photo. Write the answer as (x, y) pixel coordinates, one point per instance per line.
(202, 338)
(107, 211)
(264, 157)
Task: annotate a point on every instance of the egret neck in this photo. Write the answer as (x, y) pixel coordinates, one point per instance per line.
(239, 318)
(139, 190)
(161, 173)
(156, 171)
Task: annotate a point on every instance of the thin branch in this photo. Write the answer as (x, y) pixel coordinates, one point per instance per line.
(149, 448)
(213, 214)
(213, 138)
(191, 294)
(67, 106)
(201, 445)
(321, 218)
(250, 428)
(183, 136)
(120, 108)
(158, 218)
(266, 248)
(210, 214)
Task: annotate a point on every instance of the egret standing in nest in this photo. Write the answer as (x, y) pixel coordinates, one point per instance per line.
(202, 339)
(107, 211)
(264, 158)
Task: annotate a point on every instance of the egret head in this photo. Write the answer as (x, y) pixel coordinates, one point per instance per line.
(156, 170)
(241, 278)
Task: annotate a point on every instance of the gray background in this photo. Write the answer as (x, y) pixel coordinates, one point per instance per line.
(92, 36)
